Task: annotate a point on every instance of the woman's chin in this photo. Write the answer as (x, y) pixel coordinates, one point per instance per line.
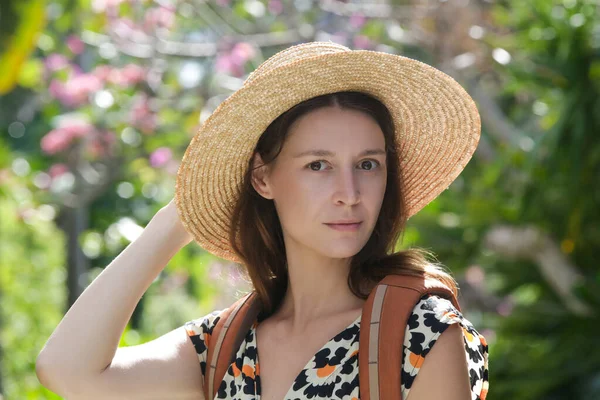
(340, 251)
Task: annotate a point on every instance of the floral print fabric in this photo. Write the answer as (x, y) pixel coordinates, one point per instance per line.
(333, 370)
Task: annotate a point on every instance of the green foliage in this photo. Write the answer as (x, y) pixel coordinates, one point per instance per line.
(550, 92)
(32, 286)
(539, 349)
(21, 22)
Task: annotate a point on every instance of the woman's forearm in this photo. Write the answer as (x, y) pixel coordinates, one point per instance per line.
(88, 336)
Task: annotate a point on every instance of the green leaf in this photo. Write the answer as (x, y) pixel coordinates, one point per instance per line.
(20, 45)
(31, 73)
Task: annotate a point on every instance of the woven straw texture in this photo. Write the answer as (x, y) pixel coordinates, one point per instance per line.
(436, 122)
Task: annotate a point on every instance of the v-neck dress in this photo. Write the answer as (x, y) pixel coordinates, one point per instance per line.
(332, 373)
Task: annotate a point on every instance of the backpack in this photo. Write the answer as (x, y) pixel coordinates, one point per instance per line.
(383, 322)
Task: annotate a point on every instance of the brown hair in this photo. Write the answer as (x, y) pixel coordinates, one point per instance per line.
(263, 252)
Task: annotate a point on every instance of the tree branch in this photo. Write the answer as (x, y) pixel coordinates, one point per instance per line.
(532, 244)
(142, 46)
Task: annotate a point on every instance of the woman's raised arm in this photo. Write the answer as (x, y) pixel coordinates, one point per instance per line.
(81, 359)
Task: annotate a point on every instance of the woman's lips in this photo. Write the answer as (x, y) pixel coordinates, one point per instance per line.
(345, 227)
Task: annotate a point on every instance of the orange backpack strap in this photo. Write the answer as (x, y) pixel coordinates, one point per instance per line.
(383, 322)
(226, 338)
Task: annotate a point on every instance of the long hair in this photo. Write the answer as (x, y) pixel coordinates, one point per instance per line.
(259, 241)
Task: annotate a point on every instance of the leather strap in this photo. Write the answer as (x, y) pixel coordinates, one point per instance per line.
(226, 338)
(383, 323)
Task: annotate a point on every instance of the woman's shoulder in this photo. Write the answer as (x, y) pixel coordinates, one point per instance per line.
(199, 331)
(436, 313)
(430, 317)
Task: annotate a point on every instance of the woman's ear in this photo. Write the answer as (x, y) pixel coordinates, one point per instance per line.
(260, 177)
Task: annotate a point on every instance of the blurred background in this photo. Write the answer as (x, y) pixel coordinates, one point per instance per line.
(100, 98)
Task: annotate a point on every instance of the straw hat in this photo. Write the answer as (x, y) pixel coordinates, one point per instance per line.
(436, 122)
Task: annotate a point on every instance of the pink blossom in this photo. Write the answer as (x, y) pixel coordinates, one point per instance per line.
(362, 42)
(102, 5)
(160, 157)
(61, 138)
(76, 90)
(140, 108)
(129, 75)
(116, 77)
(223, 3)
(229, 65)
(242, 52)
(55, 61)
(77, 128)
(102, 72)
(223, 63)
(357, 20)
(141, 116)
(132, 74)
(55, 88)
(55, 141)
(163, 17)
(122, 26)
(275, 7)
(57, 170)
(75, 44)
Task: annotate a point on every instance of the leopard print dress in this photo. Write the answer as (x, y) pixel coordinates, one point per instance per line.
(332, 373)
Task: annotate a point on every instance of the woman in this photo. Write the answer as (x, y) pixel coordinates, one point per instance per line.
(306, 176)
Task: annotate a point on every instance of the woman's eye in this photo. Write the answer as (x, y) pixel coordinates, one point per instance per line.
(375, 164)
(364, 165)
(314, 163)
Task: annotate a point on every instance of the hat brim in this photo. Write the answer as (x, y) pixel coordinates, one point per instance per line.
(436, 121)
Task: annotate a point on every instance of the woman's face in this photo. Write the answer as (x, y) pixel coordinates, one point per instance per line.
(345, 181)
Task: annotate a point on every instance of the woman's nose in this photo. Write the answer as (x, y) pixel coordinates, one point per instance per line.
(347, 186)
